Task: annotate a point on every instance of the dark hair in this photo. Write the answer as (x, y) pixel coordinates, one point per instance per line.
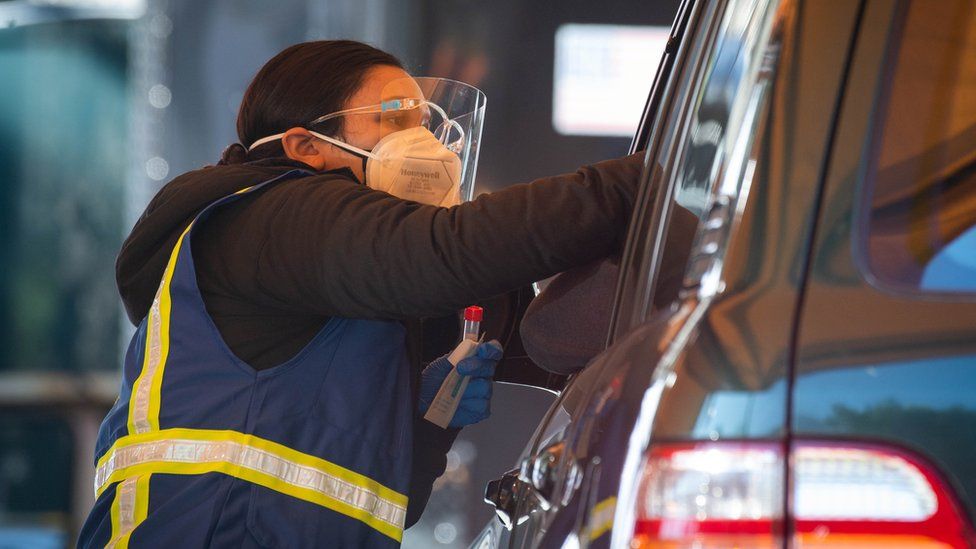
(300, 84)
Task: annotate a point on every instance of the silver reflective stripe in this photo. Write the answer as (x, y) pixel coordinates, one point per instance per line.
(140, 412)
(126, 496)
(217, 452)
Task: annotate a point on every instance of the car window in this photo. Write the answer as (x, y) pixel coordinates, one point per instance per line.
(639, 264)
(719, 147)
(919, 228)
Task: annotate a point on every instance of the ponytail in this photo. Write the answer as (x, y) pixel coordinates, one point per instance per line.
(233, 154)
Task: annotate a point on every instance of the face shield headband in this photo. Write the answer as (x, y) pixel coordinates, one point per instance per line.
(442, 133)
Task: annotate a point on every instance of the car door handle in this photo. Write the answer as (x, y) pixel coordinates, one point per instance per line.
(504, 494)
(540, 472)
(533, 484)
(543, 473)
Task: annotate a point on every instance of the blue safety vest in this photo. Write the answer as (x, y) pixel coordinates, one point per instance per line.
(201, 450)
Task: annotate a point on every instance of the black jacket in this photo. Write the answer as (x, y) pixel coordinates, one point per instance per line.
(273, 267)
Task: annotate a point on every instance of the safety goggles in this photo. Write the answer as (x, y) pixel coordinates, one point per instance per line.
(402, 113)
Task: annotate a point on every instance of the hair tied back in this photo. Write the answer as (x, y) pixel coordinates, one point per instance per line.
(233, 154)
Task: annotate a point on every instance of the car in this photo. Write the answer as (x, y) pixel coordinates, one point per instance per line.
(811, 382)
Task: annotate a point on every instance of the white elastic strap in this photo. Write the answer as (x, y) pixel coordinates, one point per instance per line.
(264, 140)
(334, 141)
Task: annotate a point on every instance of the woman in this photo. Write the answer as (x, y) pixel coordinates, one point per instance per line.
(269, 395)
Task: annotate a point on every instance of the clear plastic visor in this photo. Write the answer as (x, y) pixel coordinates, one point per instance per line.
(453, 111)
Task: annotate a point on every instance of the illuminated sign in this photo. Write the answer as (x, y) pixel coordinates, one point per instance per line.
(603, 74)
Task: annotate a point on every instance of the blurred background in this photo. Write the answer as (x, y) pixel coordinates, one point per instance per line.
(104, 101)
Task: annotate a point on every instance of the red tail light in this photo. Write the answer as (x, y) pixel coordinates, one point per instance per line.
(711, 495)
(853, 496)
(731, 495)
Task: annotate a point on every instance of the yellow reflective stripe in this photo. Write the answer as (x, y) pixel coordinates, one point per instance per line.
(260, 461)
(131, 504)
(115, 512)
(142, 505)
(144, 401)
(259, 443)
(601, 517)
(129, 508)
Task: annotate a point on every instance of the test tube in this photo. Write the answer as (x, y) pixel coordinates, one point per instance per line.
(446, 400)
(472, 322)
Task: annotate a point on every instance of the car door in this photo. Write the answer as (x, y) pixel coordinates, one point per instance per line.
(749, 106)
(882, 401)
(510, 494)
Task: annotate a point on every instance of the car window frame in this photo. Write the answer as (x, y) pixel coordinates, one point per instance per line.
(662, 94)
(867, 178)
(645, 235)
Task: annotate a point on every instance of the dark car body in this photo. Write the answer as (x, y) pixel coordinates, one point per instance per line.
(818, 359)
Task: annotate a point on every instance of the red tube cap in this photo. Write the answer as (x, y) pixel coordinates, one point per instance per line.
(473, 313)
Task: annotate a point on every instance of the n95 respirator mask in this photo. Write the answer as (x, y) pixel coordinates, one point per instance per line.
(414, 165)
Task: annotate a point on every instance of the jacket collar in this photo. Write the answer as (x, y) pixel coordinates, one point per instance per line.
(285, 162)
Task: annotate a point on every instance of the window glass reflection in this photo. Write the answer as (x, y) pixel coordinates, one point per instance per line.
(923, 207)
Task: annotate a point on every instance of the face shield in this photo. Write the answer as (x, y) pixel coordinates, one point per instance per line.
(427, 132)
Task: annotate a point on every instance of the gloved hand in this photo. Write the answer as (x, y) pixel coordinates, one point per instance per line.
(479, 368)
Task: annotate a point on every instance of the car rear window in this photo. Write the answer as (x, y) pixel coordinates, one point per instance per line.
(921, 199)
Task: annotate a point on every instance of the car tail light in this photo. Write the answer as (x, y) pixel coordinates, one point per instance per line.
(854, 495)
(711, 495)
(731, 494)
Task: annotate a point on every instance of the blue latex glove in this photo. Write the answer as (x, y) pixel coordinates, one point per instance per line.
(479, 367)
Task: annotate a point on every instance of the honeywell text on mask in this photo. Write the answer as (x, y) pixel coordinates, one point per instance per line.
(416, 173)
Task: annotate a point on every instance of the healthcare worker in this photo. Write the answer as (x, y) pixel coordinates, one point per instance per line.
(272, 395)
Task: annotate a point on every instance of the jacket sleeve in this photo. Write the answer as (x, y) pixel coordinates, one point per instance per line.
(430, 447)
(330, 246)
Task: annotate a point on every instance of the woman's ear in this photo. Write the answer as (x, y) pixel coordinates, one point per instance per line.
(302, 146)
